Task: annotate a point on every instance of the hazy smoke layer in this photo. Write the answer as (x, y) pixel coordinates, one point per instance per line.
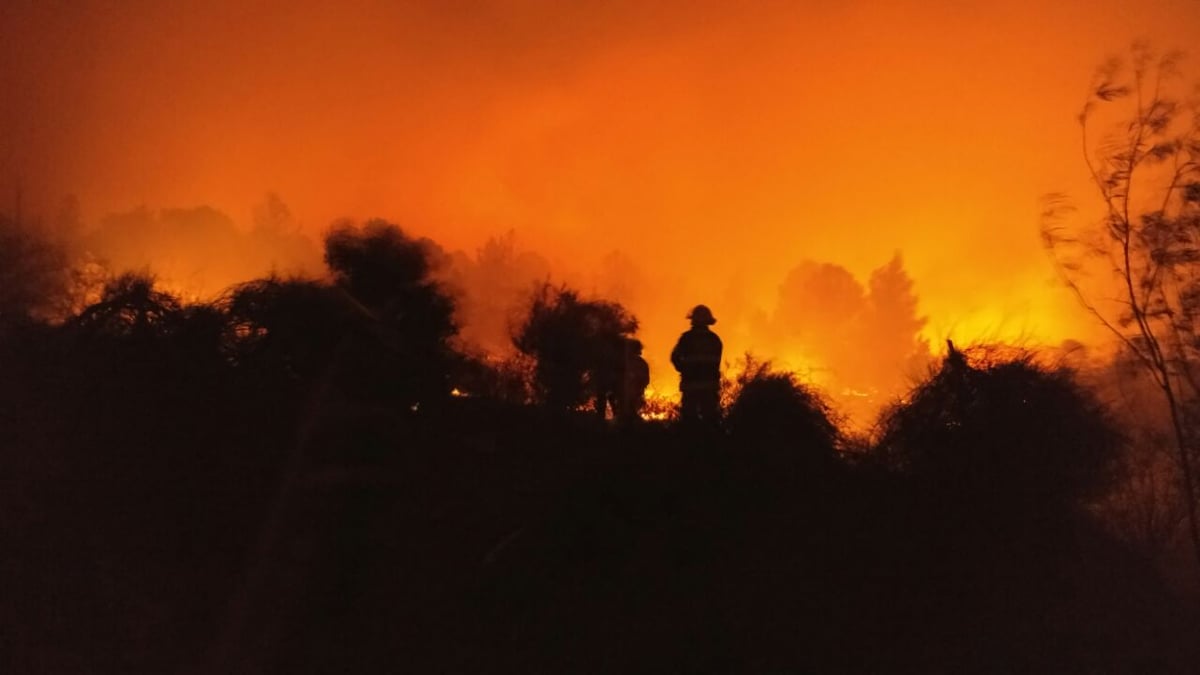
(663, 154)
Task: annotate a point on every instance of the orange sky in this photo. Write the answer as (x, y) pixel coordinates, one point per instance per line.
(712, 144)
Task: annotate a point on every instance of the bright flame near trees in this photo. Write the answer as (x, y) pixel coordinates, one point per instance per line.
(658, 155)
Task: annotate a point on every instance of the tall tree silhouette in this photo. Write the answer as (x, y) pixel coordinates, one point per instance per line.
(1147, 172)
(892, 326)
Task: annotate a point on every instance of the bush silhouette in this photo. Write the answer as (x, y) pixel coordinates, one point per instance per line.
(131, 306)
(779, 419)
(287, 327)
(1002, 431)
(202, 336)
(571, 340)
(503, 379)
(251, 473)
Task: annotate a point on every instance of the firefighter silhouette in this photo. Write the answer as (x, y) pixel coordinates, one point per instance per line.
(635, 377)
(697, 357)
(623, 381)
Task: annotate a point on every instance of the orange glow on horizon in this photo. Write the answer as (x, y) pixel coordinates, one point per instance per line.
(659, 156)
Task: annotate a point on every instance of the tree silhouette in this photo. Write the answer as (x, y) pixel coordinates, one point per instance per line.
(1147, 172)
(868, 337)
(819, 304)
(273, 215)
(892, 327)
(35, 278)
(572, 341)
(389, 272)
(254, 471)
(391, 275)
(278, 243)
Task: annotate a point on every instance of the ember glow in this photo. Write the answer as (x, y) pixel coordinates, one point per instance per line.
(657, 155)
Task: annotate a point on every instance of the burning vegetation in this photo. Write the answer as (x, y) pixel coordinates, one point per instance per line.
(251, 443)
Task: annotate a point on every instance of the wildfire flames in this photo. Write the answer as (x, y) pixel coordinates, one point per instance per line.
(698, 152)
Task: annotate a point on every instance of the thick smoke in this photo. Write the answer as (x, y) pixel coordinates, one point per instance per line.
(865, 338)
(862, 341)
(491, 288)
(199, 251)
(659, 156)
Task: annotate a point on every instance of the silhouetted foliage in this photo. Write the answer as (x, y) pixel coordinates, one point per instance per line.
(287, 326)
(260, 484)
(506, 379)
(391, 275)
(1002, 433)
(572, 340)
(131, 306)
(1146, 506)
(1146, 170)
(893, 326)
(774, 415)
(35, 277)
(202, 332)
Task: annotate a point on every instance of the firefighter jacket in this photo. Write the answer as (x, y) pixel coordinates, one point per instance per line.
(697, 357)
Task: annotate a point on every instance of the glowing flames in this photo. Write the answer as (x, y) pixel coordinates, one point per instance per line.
(655, 166)
(655, 415)
(861, 339)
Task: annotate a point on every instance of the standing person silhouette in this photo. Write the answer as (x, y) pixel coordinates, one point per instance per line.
(635, 377)
(697, 357)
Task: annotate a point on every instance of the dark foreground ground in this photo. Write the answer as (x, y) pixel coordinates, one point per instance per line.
(488, 539)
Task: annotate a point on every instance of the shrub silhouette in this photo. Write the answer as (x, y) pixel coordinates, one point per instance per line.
(201, 335)
(779, 419)
(131, 306)
(504, 379)
(287, 327)
(180, 455)
(571, 339)
(1001, 431)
